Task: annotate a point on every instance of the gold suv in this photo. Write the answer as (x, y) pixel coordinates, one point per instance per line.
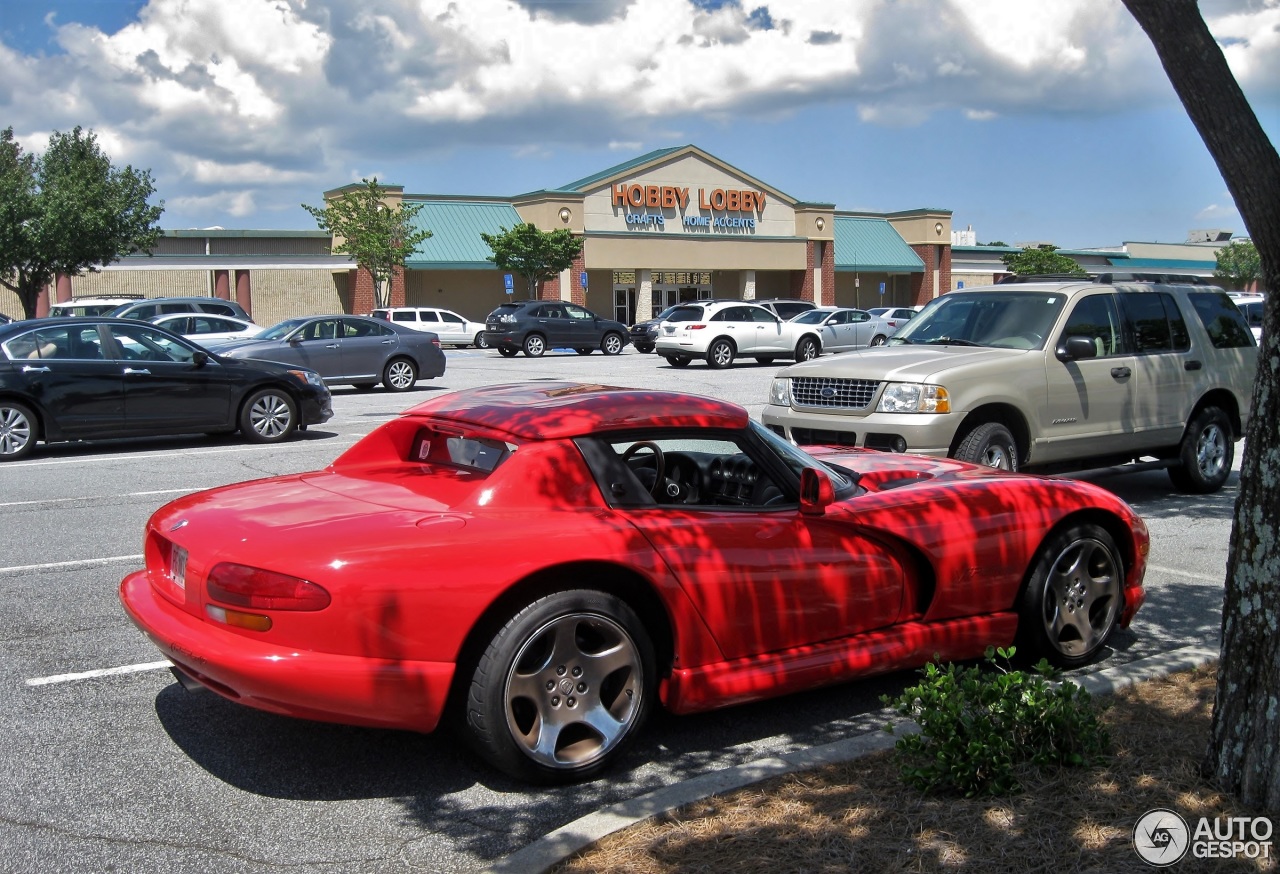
(1043, 375)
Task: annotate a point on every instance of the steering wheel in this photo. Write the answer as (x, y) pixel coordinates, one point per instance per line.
(659, 463)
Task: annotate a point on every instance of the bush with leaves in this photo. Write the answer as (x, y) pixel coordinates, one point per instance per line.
(980, 730)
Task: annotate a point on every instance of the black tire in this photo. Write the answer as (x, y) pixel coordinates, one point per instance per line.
(480, 341)
(678, 360)
(879, 340)
(366, 386)
(990, 444)
(399, 374)
(768, 359)
(268, 415)
(807, 349)
(508, 352)
(612, 343)
(19, 430)
(545, 671)
(1205, 455)
(535, 345)
(586, 350)
(720, 353)
(1074, 597)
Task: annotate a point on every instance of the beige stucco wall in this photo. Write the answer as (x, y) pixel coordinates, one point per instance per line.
(149, 283)
(678, 253)
(472, 294)
(897, 290)
(284, 294)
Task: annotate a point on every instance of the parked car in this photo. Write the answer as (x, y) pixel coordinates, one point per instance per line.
(896, 317)
(4, 320)
(719, 332)
(1043, 375)
(92, 306)
(451, 328)
(148, 308)
(207, 328)
(1251, 305)
(657, 549)
(644, 335)
(785, 307)
(838, 329)
(534, 326)
(78, 378)
(347, 350)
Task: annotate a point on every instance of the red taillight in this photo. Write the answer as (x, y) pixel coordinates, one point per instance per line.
(696, 327)
(244, 586)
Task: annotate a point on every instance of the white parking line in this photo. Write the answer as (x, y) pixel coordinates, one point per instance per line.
(124, 456)
(1207, 578)
(101, 672)
(101, 497)
(84, 562)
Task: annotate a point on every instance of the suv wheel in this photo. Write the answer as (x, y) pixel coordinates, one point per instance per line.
(507, 351)
(678, 360)
(482, 342)
(807, 349)
(534, 345)
(1205, 455)
(611, 344)
(990, 444)
(720, 353)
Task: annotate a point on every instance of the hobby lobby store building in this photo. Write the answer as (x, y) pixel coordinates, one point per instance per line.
(672, 225)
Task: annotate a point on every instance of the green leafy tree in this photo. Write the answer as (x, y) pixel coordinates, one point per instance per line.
(534, 254)
(377, 236)
(1041, 260)
(68, 211)
(1239, 264)
(1244, 736)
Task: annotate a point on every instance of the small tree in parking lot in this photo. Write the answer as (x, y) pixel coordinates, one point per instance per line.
(535, 254)
(1238, 264)
(68, 211)
(1041, 260)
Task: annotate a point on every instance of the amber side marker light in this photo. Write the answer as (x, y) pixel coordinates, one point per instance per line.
(237, 619)
(239, 585)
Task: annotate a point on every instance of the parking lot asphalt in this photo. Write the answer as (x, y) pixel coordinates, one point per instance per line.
(109, 765)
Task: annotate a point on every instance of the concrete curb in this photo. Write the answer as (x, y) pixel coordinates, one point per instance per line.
(556, 846)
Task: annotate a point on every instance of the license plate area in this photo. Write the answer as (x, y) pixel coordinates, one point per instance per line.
(178, 567)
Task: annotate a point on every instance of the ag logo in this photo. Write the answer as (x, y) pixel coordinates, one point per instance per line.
(1161, 837)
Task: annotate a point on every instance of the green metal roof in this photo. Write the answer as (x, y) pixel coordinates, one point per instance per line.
(455, 227)
(589, 181)
(872, 245)
(1169, 264)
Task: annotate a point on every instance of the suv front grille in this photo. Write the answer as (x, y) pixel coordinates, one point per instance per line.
(843, 394)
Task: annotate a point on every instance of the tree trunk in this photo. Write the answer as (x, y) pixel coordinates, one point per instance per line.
(1244, 743)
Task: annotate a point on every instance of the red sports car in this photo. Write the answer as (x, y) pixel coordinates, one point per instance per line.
(544, 563)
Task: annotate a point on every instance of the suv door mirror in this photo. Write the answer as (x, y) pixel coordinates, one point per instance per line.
(1077, 346)
(816, 491)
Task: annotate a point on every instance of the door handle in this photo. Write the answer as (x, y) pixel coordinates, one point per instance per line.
(331, 345)
(1192, 365)
(388, 342)
(27, 368)
(142, 372)
(1121, 372)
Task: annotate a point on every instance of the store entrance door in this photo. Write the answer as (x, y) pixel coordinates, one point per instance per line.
(624, 304)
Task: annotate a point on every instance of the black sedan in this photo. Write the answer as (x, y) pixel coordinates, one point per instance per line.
(88, 378)
(347, 350)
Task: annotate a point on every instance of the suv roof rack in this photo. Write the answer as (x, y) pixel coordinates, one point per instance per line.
(1043, 277)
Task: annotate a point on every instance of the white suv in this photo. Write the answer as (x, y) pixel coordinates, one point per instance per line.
(720, 331)
(451, 328)
(1043, 375)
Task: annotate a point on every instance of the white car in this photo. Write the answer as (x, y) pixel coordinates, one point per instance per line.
(839, 329)
(720, 331)
(896, 316)
(1251, 305)
(206, 327)
(451, 328)
(91, 306)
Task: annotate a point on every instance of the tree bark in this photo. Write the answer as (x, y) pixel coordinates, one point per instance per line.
(1244, 744)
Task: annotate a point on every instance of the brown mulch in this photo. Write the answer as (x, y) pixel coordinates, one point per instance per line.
(860, 816)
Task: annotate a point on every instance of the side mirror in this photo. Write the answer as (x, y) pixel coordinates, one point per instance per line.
(1075, 347)
(816, 491)
(200, 358)
(295, 339)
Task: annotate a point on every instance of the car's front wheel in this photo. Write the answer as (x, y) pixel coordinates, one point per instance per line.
(18, 430)
(399, 375)
(879, 340)
(611, 344)
(1205, 455)
(561, 688)
(268, 416)
(534, 345)
(1073, 598)
(990, 444)
(720, 353)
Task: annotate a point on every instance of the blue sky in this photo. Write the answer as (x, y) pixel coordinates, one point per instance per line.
(1045, 121)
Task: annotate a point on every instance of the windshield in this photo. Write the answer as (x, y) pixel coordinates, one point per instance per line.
(1000, 319)
(281, 330)
(797, 459)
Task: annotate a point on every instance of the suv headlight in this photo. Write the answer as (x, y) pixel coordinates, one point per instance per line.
(914, 397)
(310, 377)
(780, 392)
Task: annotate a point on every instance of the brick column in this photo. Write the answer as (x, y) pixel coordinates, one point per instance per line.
(222, 284)
(827, 295)
(577, 293)
(62, 287)
(244, 292)
(802, 280)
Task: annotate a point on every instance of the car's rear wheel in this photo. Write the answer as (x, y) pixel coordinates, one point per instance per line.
(720, 353)
(507, 352)
(534, 345)
(678, 360)
(1073, 598)
(611, 344)
(879, 340)
(990, 444)
(1205, 455)
(562, 687)
(18, 430)
(399, 375)
(584, 350)
(481, 342)
(268, 416)
(806, 349)
(365, 386)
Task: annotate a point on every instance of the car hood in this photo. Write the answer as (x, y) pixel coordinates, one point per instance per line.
(240, 347)
(902, 363)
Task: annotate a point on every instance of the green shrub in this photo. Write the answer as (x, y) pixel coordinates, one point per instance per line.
(980, 729)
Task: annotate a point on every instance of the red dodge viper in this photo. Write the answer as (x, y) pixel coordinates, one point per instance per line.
(545, 563)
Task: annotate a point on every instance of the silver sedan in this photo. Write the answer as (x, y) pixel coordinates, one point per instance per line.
(839, 329)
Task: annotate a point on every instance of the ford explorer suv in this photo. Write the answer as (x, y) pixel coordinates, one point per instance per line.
(1043, 375)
